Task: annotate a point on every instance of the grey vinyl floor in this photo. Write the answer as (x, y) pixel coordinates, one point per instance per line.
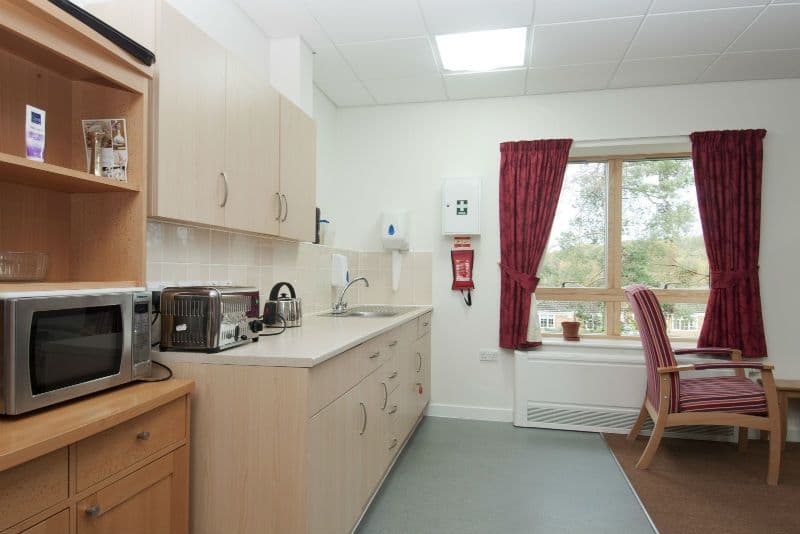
(472, 477)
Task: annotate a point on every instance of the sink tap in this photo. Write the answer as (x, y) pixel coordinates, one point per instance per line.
(341, 305)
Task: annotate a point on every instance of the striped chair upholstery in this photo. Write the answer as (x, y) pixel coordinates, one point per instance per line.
(657, 348)
(722, 394)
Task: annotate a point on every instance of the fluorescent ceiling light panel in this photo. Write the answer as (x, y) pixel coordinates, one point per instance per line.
(482, 51)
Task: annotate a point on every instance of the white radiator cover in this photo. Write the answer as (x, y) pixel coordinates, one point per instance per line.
(592, 386)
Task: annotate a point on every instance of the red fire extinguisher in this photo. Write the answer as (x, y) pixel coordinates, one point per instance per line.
(462, 257)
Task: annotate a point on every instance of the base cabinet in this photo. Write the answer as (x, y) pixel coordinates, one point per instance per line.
(56, 524)
(279, 450)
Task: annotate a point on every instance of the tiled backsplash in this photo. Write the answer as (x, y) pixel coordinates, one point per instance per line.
(187, 255)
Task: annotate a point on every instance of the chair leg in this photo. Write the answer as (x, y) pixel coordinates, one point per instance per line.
(652, 444)
(637, 426)
(743, 438)
(774, 469)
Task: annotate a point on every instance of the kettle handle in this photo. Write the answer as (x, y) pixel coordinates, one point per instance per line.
(273, 295)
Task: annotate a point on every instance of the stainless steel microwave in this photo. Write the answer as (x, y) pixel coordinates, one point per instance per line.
(57, 346)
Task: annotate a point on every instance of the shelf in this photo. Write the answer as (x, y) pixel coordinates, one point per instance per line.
(16, 169)
(13, 287)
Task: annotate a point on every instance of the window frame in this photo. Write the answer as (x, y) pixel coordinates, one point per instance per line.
(613, 295)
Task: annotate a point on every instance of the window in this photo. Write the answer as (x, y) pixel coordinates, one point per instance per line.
(623, 220)
(547, 320)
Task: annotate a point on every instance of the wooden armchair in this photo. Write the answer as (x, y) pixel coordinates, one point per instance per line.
(717, 400)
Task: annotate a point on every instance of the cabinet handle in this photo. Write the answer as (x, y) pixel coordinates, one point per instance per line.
(364, 413)
(393, 375)
(286, 211)
(225, 181)
(373, 356)
(385, 396)
(425, 323)
(393, 409)
(280, 206)
(419, 362)
(144, 436)
(394, 444)
(393, 343)
(94, 511)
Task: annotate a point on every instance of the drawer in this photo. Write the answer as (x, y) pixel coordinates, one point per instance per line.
(109, 452)
(333, 378)
(55, 524)
(29, 488)
(423, 325)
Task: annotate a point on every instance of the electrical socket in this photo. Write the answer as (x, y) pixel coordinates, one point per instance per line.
(488, 355)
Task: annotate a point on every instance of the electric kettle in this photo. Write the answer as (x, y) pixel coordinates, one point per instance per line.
(282, 308)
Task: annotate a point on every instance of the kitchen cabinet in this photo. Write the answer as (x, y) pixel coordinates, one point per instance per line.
(118, 460)
(307, 447)
(298, 183)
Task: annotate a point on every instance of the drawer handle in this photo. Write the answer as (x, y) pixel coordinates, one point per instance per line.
(385, 395)
(94, 511)
(394, 444)
(419, 362)
(364, 425)
(144, 436)
(425, 324)
(393, 343)
(393, 409)
(393, 375)
(373, 356)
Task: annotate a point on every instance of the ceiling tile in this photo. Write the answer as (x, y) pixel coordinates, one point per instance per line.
(399, 90)
(330, 65)
(346, 93)
(582, 42)
(348, 21)
(778, 27)
(549, 11)
(398, 58)
(661, 71)
(683, 34)
(570, 78)
(674, 6)
(760, 65)
(285, 18)
(485, 84)
(454, 16)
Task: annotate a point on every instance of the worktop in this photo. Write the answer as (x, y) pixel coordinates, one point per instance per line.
(318, 340)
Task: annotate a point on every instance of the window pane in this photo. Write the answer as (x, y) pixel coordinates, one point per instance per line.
(552, 313)
(683, 320)
(576, 252)
(662, 240)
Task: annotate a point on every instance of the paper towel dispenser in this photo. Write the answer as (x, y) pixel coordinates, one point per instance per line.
(394, 230)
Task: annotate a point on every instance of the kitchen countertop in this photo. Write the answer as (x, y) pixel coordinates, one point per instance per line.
(319, 339)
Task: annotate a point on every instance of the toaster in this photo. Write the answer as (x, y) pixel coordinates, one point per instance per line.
(208, 318)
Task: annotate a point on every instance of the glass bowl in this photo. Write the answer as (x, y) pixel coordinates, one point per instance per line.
(23, 266)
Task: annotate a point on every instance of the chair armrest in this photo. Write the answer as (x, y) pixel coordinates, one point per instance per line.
(734, 354)
(715, 365)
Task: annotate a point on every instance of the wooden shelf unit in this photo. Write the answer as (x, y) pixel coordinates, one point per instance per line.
(94, 228)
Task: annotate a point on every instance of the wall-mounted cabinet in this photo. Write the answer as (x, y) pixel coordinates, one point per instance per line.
(92, 227)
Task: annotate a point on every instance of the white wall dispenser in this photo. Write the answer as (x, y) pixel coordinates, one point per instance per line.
(461, 206)
(340, 274)
(394, 236)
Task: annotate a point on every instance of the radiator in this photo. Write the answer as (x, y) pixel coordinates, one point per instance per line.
(592, 386)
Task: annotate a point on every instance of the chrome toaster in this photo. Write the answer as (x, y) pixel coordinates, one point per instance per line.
(207, 318)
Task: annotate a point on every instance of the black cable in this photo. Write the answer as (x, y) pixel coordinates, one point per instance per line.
(155, 318)
(162, 379)
(277, 333)
(468, 298)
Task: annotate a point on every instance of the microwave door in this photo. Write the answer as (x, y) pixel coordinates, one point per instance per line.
(70, 346)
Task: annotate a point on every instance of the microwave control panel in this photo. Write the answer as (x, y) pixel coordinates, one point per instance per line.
(140, 344)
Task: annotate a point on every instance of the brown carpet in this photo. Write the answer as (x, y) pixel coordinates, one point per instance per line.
(708, 487)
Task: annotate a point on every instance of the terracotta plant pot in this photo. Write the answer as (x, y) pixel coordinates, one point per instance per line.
(571, 330)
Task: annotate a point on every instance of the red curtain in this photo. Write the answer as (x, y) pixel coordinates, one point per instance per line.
(727, 169)
(531, 174)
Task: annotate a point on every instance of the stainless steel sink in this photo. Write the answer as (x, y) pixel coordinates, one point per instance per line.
(369, 311)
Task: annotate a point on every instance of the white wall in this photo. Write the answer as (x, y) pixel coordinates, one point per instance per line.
(291, 71)
(394, 157)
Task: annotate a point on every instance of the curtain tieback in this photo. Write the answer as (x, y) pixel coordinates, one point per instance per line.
(524, 280)
(728, 279)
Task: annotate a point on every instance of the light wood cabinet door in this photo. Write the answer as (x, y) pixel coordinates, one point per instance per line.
(251, 151)
(190, 144)
(55, 524)
(298, 172)
(338, 437)
(144, 501)
(424, 346)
